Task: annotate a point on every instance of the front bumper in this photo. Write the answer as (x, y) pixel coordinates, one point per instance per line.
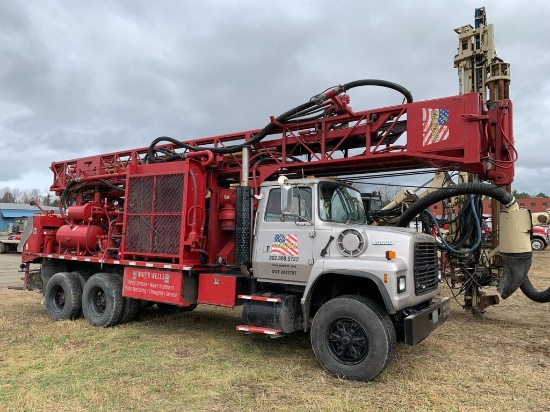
(419, 325)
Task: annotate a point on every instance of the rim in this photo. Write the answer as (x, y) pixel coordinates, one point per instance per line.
(98, 301)
(536, 245)
(58, 298)
(347, 341)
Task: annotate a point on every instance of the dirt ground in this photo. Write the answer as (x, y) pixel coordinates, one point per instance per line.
(9, 266)
(495, 362)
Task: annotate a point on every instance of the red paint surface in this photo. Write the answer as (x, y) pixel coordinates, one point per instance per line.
(156, 285)
(217, 289)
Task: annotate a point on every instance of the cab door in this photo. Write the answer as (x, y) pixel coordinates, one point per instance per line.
(283, 244)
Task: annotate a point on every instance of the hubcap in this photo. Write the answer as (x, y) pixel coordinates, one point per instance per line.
(347, 341)
(59, 298)
(99, 302)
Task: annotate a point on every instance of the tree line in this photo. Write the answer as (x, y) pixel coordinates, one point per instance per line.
(16, 195)
(525, 195)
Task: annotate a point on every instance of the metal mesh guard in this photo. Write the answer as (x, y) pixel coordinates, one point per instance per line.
(154, 214)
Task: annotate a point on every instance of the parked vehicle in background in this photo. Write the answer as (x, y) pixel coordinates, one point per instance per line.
(9, 243)
(10, 239)
(540, 237)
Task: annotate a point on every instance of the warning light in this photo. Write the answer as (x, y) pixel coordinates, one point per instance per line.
(390, 254)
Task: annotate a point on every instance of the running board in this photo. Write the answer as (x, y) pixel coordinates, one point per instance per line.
(274, 333)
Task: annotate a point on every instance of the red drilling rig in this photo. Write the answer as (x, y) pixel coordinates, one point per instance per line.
(257, 219)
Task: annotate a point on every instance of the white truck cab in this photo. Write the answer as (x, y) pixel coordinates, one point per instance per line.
(311, 238)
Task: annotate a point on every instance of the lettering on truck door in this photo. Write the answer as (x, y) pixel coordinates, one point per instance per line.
(284, 247)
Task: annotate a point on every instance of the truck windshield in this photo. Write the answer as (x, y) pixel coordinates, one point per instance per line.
(340, 203)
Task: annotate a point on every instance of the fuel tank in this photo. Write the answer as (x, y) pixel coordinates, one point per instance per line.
(79, 236)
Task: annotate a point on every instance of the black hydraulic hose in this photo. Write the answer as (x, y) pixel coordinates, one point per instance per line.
(231, 149)
(151, 150)
(317, 100)
(529, 290)
(63, 204)
(382, 83)
(518, 262)
(65, 193)
(298, 117)
(447, 192)
(455, 247)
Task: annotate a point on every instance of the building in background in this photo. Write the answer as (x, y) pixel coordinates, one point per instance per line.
(16, 214)
(534, 204)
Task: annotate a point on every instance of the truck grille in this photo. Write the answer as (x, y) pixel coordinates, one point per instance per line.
(426, 267)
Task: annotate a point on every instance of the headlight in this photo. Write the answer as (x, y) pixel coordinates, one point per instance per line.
(401, 284)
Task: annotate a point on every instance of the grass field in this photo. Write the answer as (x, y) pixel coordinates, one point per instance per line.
(198, 362)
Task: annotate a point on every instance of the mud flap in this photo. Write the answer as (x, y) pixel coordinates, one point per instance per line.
(515, 269)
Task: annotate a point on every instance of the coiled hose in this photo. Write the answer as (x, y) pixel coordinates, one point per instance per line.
(516, 265)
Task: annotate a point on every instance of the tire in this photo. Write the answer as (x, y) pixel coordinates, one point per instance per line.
(131, 308)
(102, 301)
(82, 278)
(353, 338)
(63, 296)
(538, 244)
(3, 248)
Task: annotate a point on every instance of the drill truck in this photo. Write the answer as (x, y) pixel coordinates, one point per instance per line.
(256, 219)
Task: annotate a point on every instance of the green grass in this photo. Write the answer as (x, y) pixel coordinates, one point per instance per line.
(198, 362)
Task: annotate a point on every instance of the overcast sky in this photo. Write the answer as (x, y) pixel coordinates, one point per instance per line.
(79, 78)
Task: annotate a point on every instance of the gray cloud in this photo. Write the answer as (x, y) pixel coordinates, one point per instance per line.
(82, 78)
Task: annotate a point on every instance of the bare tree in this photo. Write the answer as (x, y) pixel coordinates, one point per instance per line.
(50, 200)
(17, 195)
(31, 195)
(6, 196)
(387, 192)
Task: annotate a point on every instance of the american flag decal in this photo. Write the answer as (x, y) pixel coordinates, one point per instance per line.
(285, 245)
(435, 126)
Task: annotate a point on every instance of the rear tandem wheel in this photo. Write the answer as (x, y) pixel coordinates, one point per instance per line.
(63, 296)
(102, 301)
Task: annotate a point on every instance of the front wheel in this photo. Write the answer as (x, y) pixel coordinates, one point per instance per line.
(538, 244)
(353, 338)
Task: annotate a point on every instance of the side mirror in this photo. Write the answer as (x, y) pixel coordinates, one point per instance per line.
(286, 195)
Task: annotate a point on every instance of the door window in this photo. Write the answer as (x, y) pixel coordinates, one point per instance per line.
(301, 206)
(340, 203)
